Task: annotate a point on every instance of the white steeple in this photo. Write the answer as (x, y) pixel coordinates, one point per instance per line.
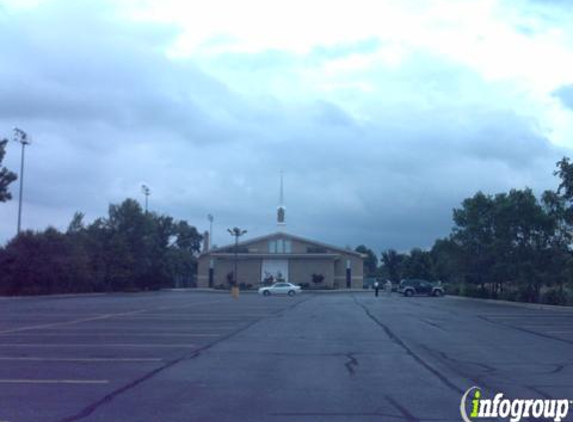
(281, 210)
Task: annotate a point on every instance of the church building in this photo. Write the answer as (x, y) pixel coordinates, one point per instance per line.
(281, 256)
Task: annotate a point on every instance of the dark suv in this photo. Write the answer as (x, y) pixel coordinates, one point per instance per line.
(420, 287)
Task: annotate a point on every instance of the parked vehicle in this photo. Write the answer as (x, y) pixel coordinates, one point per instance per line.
(280, 289)
(413, 287)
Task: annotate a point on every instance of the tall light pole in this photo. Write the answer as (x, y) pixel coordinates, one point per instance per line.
(146, 191)
(236, 232)
(210, 218)
(22, 137)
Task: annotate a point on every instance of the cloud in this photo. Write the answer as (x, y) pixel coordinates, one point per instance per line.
(84, 67)
(379, 136)
(565, 95)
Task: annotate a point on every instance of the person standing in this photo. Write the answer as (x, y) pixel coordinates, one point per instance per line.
(376, 287)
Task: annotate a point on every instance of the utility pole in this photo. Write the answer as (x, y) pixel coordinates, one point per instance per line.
(146, 191)
(210, 218)
(22, 137)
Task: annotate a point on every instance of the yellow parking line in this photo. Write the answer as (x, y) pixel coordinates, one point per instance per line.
(41, 381)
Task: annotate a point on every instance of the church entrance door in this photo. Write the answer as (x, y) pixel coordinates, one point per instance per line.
(275, 268)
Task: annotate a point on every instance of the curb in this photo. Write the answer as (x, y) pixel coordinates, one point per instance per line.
(517, 304)
(207, 290)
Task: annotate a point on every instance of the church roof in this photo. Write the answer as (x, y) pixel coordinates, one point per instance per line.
(286, 236)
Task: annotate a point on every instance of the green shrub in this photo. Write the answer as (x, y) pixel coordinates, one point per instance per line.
(472, 290)
(555, 296)
(526, 294)
(317, 278)
(452, 289)
(508, 294)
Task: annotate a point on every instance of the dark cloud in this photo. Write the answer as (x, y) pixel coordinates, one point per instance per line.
(84, 67)
(107, 110)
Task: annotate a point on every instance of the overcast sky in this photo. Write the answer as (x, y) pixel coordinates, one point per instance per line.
(384, 115)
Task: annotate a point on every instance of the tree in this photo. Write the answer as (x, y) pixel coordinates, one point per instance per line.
(371, 261)
(182, 254)
(77, 224)
(392, 263)
(43, 263)
(418, 264)
(445, 256)
(473, 233)
(127, 250)
(126, 245)
(509, 237)
(6, 176)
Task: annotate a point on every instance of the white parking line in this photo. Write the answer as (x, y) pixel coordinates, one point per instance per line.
(202, 315)
(32, 314)
(531, 315)
(188, 305)
(59, 324)
(203, 319)
(107, 360)
(99, 317)
(110, 335)
(541, 327)
(139, 330)
(94, 345)
(40, 381)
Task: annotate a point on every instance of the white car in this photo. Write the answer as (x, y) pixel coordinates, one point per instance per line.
(280, 289)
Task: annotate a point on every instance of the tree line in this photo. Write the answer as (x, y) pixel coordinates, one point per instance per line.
(126, 251)
(510, 245)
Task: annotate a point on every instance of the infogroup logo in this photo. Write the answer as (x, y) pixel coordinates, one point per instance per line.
(514, 409)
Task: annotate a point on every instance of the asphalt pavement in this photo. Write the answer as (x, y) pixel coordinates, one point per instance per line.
(197, 356)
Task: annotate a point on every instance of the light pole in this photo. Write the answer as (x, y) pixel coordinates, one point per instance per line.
(146, 191)
(236, 232)
(22, 137)
(210, 218)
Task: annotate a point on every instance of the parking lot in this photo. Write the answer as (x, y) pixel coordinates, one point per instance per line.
(186, 356)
